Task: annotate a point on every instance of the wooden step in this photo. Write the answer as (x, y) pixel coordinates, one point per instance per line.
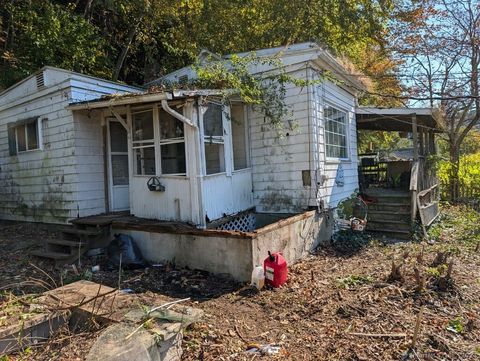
(57, 256)
(393, 215)
(389, 207)
(388, 224)
(83, 232)
(63, 242)
(391, 233)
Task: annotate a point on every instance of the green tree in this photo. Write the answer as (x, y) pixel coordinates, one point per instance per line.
(38, 33)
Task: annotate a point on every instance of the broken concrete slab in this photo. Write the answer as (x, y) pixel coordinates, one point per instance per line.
(117, 344)
(81, 301)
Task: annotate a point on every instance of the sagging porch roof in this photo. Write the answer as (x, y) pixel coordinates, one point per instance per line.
(396, 119)
(113, 100)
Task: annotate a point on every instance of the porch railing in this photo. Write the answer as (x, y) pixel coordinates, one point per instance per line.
(424, 191)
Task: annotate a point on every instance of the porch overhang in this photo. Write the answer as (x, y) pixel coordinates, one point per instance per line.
(396, 119)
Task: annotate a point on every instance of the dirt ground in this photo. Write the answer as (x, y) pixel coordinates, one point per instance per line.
(333, 307)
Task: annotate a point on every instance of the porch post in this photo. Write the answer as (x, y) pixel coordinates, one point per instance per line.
(414, 174)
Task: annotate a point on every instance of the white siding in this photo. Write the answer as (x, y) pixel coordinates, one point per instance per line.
(330, 192)
(278, 159)
(224, 195)
(39, 185)
(64, 179)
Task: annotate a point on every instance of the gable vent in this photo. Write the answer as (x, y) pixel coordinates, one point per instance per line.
(40, 80)
(183, 79)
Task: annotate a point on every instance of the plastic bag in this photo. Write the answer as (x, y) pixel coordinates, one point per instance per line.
(123, 250)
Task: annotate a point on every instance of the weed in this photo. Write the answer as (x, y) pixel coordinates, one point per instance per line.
(456, 325)
(353, 281)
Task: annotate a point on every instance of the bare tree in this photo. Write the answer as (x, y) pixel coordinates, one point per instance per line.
(439, 42)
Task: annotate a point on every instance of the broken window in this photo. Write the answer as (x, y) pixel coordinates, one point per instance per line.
(335, 132)
(214, 139)
(172, 145)
(143, 142)
(239, 136)
(24, 135)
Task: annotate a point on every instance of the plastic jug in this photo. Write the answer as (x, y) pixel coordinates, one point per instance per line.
(275, 267)
(258, 277)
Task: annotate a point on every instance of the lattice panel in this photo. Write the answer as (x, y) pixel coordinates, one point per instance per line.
(243, 223)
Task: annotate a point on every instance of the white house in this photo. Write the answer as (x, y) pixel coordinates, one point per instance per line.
(73, 146)
(66, 152)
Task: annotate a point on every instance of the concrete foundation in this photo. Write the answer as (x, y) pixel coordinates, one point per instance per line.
(232, 253)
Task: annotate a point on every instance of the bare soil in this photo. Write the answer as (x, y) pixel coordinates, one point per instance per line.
(333, 307)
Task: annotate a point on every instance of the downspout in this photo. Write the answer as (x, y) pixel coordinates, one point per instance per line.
(177, 115)
(198, 162)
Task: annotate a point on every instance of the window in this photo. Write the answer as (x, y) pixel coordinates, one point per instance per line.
(143, 143)
(214, 139)
(172, 145)
(335, 132)
(239, 136)
(24, 136)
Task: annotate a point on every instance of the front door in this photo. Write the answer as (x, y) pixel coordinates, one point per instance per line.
(118, 166)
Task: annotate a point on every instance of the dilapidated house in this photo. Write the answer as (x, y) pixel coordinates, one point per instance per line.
(194, 180)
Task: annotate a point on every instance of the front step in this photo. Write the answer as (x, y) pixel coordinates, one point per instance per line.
(398, 215)
(76, 241)
(391, 233)
(388, 224)
(56, 256)
(83, 232)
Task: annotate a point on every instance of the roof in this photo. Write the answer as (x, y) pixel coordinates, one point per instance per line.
(311, 52)
(68, 72)
(149, 96)
(395, 119)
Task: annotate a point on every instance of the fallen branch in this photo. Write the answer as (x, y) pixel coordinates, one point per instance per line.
(389, 335)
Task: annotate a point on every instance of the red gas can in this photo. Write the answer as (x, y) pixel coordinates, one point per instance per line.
(275, 267)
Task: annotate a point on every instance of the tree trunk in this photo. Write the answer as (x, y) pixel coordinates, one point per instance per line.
(454, 172)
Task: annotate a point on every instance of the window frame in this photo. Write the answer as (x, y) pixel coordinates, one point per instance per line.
(347, 132)
(14, 127)
(222, 140)
(168, 141)
(144, 143)
(156, 143)
(246, 140)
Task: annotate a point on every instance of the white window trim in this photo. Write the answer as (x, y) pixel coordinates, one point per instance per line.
(347, 133)
(38, 123)
(225, 140)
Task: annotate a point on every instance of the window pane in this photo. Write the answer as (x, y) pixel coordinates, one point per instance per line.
(120, 169)
(239, 137)
(118, 137)
(173, 158)
(143, 125)
(214, 158)
(145, 161)
(170, 127)
(32, 140)
(212, 121)
(21, 141)
(335, 132)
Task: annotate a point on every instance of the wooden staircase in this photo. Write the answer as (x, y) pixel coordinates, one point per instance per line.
(75, 241)
(390, 214)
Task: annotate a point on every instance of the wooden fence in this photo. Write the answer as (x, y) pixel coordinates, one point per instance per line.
(467, 194)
